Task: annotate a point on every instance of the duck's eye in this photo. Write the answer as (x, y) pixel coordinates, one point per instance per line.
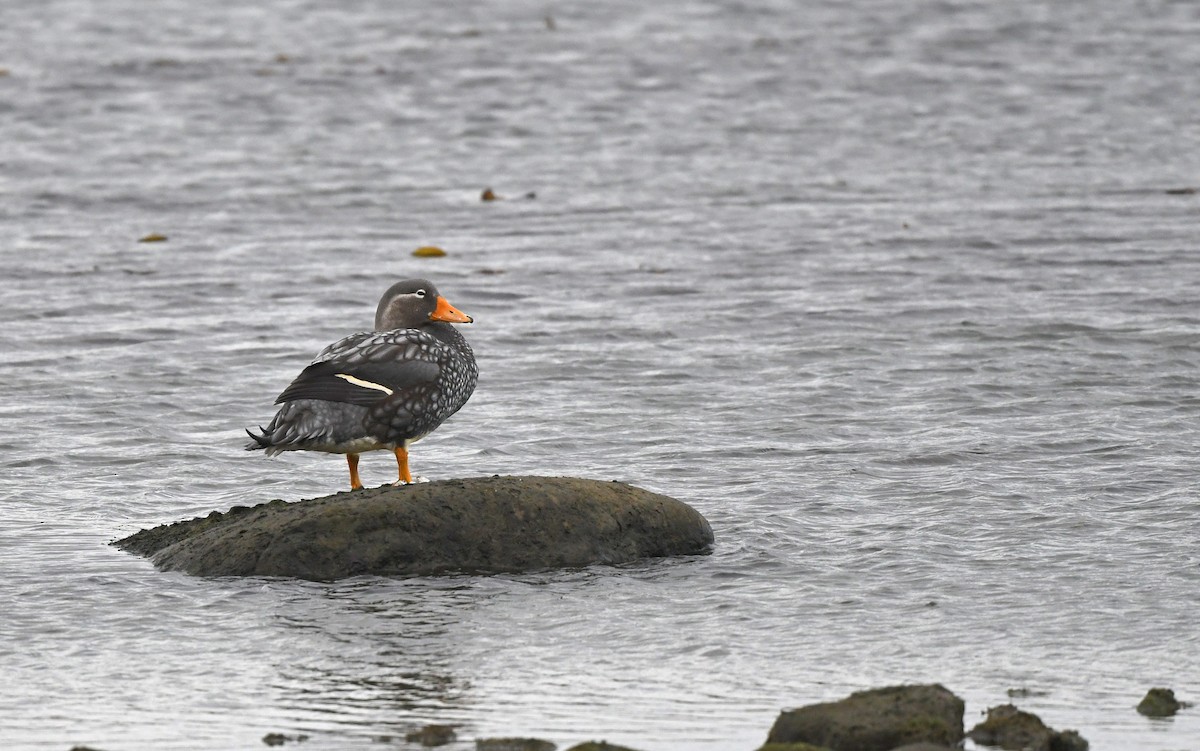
(420, 293)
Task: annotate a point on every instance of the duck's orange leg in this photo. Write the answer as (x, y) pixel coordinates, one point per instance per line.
(352, 460)
(402, 464)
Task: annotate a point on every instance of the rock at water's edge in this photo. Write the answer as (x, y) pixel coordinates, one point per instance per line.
(480, 524)
(1011, 728)
(432, 735)
(876, 720)
(1159, 702)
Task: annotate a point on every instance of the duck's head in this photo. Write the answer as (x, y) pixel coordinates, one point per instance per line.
(412, 303)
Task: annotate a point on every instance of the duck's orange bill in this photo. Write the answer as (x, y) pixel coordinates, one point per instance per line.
(448, 313)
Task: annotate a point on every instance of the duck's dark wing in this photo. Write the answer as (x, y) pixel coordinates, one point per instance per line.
(365, 368)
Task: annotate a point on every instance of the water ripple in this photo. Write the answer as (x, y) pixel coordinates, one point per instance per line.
(892, 292)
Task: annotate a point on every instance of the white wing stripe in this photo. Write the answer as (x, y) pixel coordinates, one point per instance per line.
(364, 384)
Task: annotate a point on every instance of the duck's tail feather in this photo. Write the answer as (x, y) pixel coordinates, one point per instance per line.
(261, 441)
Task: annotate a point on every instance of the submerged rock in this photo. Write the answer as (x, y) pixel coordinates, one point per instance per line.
(876, 720)
(1011, 728)
(432, 735)
(481, 524)
(598, 746)
(1159, 702)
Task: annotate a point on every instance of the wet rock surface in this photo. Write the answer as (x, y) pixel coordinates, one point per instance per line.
(876, 720)
(482, 525)
(1011, 728)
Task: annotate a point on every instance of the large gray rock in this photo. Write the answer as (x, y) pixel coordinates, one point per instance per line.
(876, 720)
(480, 524)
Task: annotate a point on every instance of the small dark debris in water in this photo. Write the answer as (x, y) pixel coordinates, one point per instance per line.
(1180, 191)
(278, 739)
(1025, 693)
(491, 271)
(513, 744)
(1160, 702)
(282, 58)
(83, 748)
(550, 25)
(4, 72)
(931, 604)
(432, 735)
(153, 237)
(137, 272)
(490, 195)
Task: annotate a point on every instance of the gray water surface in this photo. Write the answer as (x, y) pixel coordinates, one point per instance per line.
(902, 295)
